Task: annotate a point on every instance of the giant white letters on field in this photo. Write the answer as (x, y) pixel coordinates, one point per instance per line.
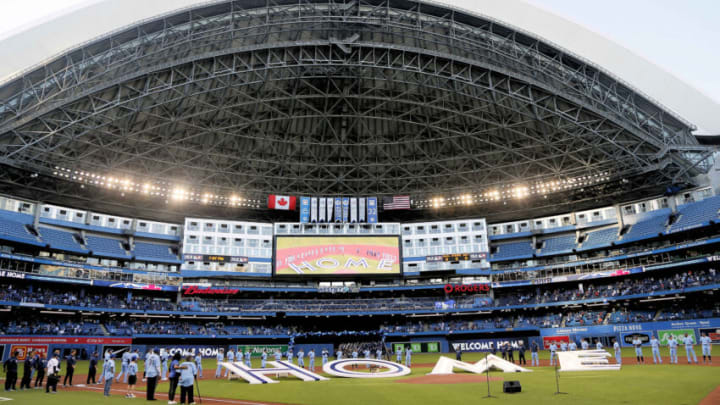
(585, 360)
(446, 365)
(258, 375)
(338, 368)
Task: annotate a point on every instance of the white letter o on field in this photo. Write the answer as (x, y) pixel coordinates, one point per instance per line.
(338, 368)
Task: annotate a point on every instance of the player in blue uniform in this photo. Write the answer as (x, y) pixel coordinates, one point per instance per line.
(534, 360)
(278, 355)
(220, 358)
(124, 362)
(689, 349)
(263, 359)
(378, 354)
(572, 346)
(672, 344)
(408, 356)
(598, 344)
(230, 359)
(706, 343)
(198, 365)
(164, 361)
(637, 343)
(655, 346)
(325, 355)
(301, 358)
(563, 346)
(618, 351)
(553, 349)
(290, 356)
(248, 358)
(338, 355)
(354, 356)
(399, 353)
(311, 358)
(584, 345)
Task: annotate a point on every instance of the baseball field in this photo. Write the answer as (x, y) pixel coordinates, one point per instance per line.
(633, 384)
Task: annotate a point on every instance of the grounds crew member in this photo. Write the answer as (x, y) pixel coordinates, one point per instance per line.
(10, 369)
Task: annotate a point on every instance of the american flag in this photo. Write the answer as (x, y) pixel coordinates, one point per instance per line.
(398, 202)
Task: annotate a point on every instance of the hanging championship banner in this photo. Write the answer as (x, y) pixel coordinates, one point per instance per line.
(361, 209)
(345, 209)
(313, 209)
(338, 209)
(329, 209)
(304, 209)
(321, 210)
(353, 210)
(372, 210)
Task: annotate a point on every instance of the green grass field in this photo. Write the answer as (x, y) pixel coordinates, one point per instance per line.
(634, 384)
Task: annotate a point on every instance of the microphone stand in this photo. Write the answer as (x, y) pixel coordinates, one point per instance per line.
(557, 380)
(487, 378)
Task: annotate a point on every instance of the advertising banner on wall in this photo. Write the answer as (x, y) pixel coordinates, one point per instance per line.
(626, 339)
(204, 350)
(678, 334)
(23, 350)
(257, 350)
(548, 340)
(713, 333)
(486, 345)
(308, 255)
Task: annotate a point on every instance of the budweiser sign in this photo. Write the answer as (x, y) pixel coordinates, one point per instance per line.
(196, 290)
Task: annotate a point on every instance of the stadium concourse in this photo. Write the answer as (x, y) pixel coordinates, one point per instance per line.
(263, 202)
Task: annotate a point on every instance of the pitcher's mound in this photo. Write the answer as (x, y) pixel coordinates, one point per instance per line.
(447, 379)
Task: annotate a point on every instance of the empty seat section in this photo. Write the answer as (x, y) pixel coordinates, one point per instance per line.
(61, 240)
(648, 225)
(558, 245)
(601, 238)
(515, 250)
(106, 247)
(696, 214)
(154, 252)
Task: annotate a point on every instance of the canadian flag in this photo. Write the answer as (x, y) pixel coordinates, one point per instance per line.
(281, 202)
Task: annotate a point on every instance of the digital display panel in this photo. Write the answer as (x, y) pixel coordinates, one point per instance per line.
(337, 255)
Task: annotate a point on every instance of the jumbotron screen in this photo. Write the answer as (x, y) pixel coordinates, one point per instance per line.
(337, 255)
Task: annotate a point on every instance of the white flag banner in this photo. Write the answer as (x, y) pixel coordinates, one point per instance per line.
(321, 210)
(313, 209)
(361, 209)
(353, 210)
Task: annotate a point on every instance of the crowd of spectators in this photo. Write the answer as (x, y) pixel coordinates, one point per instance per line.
(623, 287)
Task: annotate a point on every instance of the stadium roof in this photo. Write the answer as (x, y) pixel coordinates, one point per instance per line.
(375, 97)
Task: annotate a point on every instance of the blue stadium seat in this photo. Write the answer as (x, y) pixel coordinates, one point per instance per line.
(13, 230)
(106, 247)
(512, 251)
(152, 252)
(558, 245)
(649, 225)
(695, 215)
(600, 239)
(61, 240)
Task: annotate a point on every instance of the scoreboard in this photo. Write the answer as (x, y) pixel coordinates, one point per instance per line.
(214, 258)
(456, 257)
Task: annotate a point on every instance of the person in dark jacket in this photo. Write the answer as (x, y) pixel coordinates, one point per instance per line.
(92, 371)
(27, 371)
(521, 353)
(40, 365)
(510, 355)
(10, 369)
(70, 361)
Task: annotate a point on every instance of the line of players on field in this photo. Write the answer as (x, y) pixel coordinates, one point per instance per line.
(290, 357)
(672, 343)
